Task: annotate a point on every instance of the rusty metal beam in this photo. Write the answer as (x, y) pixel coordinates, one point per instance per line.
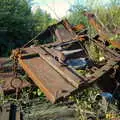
(103, 33)
(78, 27)
(103, 70)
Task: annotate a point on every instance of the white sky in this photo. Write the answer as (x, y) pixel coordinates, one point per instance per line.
(56, 8)
(59, 8)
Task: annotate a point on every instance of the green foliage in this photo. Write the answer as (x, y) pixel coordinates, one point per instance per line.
(87, 106)
(15, 24)
(109, 16)
(84, 103)
(39, 93)
(42, 20)
(18, 24)
(17, 20)
(77, 15)
(108, 13)
(94, 52)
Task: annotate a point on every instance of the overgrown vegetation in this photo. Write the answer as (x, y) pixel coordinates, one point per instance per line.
(91, 106)
(107, 13)
(18, 25)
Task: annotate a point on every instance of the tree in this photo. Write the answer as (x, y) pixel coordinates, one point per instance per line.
(17, 19)
(18, 24)
(42, 20)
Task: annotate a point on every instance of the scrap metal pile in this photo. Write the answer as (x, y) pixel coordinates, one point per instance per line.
(65, 65)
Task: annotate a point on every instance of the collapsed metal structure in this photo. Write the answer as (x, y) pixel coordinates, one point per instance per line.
(54, 66)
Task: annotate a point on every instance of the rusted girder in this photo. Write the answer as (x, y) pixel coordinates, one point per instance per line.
(102, 33)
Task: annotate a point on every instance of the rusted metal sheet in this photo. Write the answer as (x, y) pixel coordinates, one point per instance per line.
(3, 61)
(68, 27)
(100, 72)
(50, 81)
(78, 27)
(63, 35)
(113, 54)
(61, 69)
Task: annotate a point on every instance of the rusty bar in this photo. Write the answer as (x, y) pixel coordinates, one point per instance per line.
(78, 27)
(68, 27)
(109, 65)
(103, 34)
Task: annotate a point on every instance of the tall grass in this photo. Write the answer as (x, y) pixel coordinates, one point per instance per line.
(107, 12)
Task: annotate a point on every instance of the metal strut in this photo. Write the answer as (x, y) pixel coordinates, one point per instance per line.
(15, 73)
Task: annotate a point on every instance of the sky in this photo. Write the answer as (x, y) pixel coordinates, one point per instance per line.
(56, 8)
(60, 8)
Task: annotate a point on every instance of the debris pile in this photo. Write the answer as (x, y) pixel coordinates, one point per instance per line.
(71, 59)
